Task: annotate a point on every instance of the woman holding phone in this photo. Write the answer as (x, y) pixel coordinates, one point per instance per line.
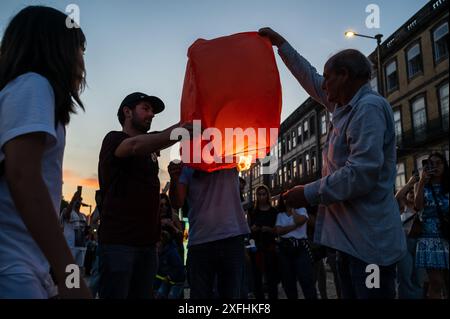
(431, 196)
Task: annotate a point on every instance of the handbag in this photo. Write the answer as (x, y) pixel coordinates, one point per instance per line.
(416, 227)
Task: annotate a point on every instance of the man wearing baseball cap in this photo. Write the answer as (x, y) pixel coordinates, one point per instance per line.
(129, 184)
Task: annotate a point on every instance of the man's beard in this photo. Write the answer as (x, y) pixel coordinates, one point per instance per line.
(140, 126)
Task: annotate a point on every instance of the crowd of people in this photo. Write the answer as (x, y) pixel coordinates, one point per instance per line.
(233, 251)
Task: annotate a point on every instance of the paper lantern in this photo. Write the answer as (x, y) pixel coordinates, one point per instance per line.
(232, 86)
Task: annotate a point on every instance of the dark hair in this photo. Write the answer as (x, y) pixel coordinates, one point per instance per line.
(266, 189)
(38, 40)
(445, 176)
(281, 207)
(356, 64)
(121, 115)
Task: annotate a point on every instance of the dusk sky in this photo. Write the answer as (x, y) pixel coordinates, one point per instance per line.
(142, 45)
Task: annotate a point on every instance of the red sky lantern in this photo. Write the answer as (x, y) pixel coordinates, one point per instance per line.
(232, 86)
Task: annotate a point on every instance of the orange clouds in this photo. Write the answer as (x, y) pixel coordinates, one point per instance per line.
(72, 178)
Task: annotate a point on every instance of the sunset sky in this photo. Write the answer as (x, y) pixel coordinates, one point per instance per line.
(142, 45)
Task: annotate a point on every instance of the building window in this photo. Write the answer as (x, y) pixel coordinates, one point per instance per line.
(285, 173)
(308, 164)
(294, 169)
(294, 139)
(279, 150)
(289, 144)
(300, 167)
(323, 124)
(398, 125)
(414, 60)
(400, 180)
(419, 117)
(313, 162)
(299, 135)
(391, 76)
(273, 182)
(283, 146)
(280, 177)
(440, 39)
(443, 101)
(305, 129)
(312, 126)
(289, 176)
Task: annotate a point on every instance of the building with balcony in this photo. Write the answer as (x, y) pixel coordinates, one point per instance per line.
(415, 72)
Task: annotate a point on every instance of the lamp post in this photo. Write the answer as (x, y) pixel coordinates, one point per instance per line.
(350, 34)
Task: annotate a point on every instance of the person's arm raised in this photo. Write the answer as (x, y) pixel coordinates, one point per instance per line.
(301, 69)
(145, 144)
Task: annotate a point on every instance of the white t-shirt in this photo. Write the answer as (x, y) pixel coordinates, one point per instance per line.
(284, 219)
(76, 222)
(27, 105)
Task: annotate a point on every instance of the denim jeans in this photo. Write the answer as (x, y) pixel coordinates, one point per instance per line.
(127, 272)
(410, 278)
(220, 261)
(296, 264)
(353, 275)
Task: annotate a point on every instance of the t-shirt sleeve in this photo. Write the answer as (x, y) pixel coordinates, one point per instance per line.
(302, 211)
(27, 105)
(186, 175)
(110, 143)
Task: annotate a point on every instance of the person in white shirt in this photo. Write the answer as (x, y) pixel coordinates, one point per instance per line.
(295, 254)
(74, 227)
(41, 76)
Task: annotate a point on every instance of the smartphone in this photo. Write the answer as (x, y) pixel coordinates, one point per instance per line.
(427, 166)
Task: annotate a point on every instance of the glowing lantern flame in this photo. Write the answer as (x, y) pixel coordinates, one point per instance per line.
(244, 163)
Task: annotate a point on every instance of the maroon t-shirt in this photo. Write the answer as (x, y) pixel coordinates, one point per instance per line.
(130, 189)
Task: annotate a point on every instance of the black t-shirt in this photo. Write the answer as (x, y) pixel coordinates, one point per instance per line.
(130, 190)
(263, 218)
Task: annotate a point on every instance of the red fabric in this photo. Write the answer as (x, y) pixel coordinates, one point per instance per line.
(232, 82)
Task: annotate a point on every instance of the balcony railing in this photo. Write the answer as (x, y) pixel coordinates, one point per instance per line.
(420, 137)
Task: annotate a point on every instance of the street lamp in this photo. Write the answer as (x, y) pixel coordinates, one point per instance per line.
(350, 34)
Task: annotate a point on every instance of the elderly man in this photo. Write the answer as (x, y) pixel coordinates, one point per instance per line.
(358, 215)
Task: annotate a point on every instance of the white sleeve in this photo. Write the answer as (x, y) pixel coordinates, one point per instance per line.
(302, 212)
(27, 105)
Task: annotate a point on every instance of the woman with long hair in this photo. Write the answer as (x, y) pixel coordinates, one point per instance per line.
(41, 76)
(264, 261)
(431, 196)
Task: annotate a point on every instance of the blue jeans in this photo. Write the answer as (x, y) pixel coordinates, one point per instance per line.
(127, 272)
(220, 261)
(409, 277)
(353, 275)
(296, 264)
